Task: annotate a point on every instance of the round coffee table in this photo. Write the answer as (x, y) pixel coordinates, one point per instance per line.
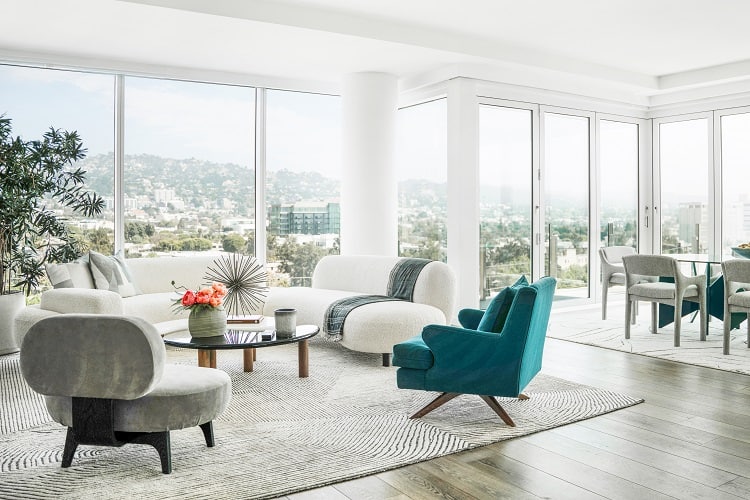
(248, 341)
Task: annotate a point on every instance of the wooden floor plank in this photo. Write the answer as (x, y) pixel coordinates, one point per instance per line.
(689, 469)
(420, 484)
(567, 469)
(475, 481)
(727, 445)
(326, 493)
(626, 468)
(671, 445)
(739, 487)
(369, 488)
(531, 479)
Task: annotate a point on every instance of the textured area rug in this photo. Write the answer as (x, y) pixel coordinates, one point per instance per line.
(586, 327)
(280, 434)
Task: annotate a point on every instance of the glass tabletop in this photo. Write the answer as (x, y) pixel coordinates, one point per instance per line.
(699, 258)
(239, 339)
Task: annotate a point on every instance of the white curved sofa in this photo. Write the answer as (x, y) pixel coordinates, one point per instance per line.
(153, 276)
(373, 327)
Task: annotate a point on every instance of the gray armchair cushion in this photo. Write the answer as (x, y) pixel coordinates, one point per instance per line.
(185, 396)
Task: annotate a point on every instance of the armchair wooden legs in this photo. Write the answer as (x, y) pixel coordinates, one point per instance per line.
(435, 403)
(93, 424)
(491, 402)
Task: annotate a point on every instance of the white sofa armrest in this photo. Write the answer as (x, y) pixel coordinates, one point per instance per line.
(81, 300)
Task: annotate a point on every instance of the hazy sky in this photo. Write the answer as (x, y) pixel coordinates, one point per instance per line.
(175, 119)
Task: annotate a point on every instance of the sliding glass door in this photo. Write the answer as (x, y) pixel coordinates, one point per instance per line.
(566, 166)
(618, 183)
(684, 185)
(505, 196)
(734, 159)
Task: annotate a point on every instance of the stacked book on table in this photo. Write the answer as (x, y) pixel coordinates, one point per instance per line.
(244, 319)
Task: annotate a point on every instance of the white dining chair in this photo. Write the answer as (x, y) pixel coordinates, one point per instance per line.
(642, 273)
(736, 294)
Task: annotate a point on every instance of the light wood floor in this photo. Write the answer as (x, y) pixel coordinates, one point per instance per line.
(690, 439)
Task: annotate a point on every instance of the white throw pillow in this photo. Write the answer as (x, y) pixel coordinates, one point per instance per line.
(70, 275)
(112, 273)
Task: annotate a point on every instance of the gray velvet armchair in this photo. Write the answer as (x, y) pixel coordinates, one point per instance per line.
(106, 379)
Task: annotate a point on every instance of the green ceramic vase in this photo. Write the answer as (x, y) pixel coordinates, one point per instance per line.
(207, 321)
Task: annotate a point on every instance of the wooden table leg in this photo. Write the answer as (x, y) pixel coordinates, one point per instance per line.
(207, 358)
(304, 364)
(248, 355)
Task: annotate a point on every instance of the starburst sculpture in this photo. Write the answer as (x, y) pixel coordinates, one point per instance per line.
(246, 281)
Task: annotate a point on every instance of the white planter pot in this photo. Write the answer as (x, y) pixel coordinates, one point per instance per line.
(10, 305)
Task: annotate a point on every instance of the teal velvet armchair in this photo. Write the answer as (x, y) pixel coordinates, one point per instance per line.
(467, 360)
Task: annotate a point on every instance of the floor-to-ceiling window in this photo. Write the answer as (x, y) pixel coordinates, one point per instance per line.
(684, 185)
(303, 180)
(566, 146)
(421, 171)
(735, 172)
(618, 183)
(505, 196)
(188, 167)
(36, 99)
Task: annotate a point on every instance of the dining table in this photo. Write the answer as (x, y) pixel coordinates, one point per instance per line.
(714, 288)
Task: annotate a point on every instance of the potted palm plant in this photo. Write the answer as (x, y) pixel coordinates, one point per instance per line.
(35, 177)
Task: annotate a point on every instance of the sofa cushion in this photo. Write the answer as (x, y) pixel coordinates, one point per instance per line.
(111, 273)
(497, 311)
(155, 275)
(310, 303)
(70, 275)
(154, 307)
(81, 300)
(413, 353)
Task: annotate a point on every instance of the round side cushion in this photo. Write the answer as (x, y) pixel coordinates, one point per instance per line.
(378, 327)
(185, 396)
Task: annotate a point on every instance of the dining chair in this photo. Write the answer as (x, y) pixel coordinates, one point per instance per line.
(613, 272)
(736, 294)
(643, 282)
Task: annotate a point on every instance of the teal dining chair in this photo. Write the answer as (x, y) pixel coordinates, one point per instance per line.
(494, 353)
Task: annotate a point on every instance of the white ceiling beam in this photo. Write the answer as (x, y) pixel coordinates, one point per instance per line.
(388, 30)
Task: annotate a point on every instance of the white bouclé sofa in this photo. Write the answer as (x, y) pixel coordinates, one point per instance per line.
(373, 327)
(153, 276)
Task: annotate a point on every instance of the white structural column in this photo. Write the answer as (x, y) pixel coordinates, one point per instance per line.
(369, 192)
(463, 190)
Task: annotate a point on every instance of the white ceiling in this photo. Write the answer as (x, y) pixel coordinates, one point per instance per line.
(648, 47)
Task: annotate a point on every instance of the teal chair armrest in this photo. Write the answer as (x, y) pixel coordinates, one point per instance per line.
(470, 318)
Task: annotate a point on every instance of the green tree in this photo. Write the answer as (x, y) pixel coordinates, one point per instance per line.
(234, 243)
(299, 260)
(31, 174)
(100, 240)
